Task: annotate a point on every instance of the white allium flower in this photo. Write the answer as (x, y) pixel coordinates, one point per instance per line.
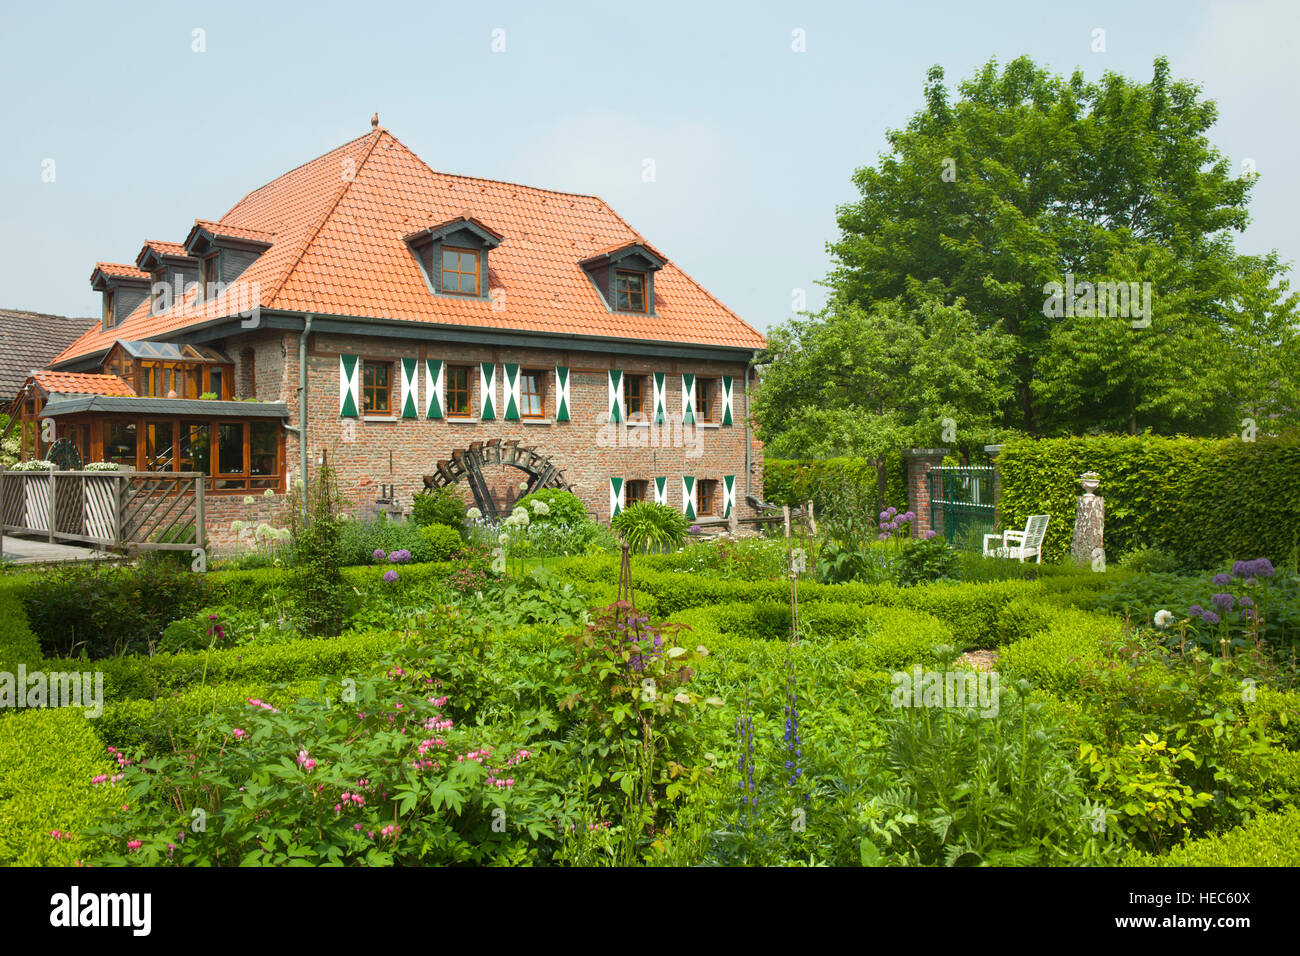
(248, 499)
(503, 538)
(268, 493)
(540, 507)
(236, 526)
(1163, 618)
(523, 486)
(473, 514)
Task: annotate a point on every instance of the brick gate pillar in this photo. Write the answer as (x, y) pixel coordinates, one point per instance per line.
(919, 462)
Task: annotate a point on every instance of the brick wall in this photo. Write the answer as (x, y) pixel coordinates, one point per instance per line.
(369, 452)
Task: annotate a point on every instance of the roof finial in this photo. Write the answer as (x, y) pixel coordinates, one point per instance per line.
(374, 121)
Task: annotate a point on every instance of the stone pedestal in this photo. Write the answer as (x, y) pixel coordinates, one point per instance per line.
(1089, 521)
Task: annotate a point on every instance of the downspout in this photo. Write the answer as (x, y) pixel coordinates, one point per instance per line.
(302, 412)
(749, 468)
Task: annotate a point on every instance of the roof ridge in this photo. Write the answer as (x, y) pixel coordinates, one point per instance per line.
(376, 135)
(486, 179)
(288, 172)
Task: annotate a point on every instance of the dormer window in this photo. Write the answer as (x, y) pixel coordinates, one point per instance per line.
(454, 256)
(211, 275)
(459, 271)
(629, 290)
(109, 319)
(624, 276)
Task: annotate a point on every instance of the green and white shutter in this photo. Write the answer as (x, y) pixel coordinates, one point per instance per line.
(688, 496)
(726, 399)
(349, 386)
(615, 395)
(661, 491)
(616, 488)
(661, 397)
(487, 388)
(512, 392)
(688, 399)
(728, 495)
(561, 393)
(433, 387)
(410, 388)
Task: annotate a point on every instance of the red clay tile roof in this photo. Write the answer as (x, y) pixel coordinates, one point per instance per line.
(120, 269)
(78, 383)
(338, 224)
(164, 248)
(226, 230)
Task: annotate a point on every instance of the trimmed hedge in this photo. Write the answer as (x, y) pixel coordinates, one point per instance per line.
(18, 643)
(1054, 659)
(1272, 839)
(47, 759)
(891, 637)
(1205, 501)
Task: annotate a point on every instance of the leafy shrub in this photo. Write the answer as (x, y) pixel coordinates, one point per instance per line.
(18, 643)
(1269, 840)
(47, 760)
(100, 610)
(647, 526)
(794, 482)
(439, 506)
(921, 561)
(1147, 560)
(320, 592)
(1056, 659)
(562, 507)
(441, 543)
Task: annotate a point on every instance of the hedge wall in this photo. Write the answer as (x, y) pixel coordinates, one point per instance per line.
(1205, 501)
(793, 481)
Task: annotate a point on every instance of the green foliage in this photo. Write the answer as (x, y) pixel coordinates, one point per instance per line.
(1057, 658)
(989, 195)
(1271, 839)
(646, 526)
(562, 507)
(319, 590)
(102, 610)
(794, 482)
(922, 562)
(440, 543)
(439, 506)
(1203, 501)
(18, 642)
(47, 760)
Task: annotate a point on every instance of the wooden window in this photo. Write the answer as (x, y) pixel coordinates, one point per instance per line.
(629, 291)
(211, 275)
(707, 489)
(706, 399)
(459, 271)
(119, 442)
(635, 491)
(532, 393)
(193, 451)
(109, 319)
(264, 454)
(158, 444)
(457, 391)
(376, 387)
(635, 389)
(215, 382)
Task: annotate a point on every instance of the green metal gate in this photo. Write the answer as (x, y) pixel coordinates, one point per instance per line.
(961, 504)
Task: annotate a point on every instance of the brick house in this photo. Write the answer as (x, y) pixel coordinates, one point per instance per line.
(413, 328)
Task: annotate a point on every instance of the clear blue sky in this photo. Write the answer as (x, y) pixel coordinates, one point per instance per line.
(753, 143)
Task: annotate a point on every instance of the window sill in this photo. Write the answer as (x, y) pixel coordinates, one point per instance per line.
(536, 421)
(709, 424)
(637, 424)
(380, 418)
(460, 421)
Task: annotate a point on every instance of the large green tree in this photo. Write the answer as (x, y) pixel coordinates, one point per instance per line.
(1029, 178)
(867, 381)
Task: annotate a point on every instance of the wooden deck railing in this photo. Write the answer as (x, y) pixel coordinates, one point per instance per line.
(111, 510)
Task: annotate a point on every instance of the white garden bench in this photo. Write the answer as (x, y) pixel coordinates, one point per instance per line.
(1020, 544)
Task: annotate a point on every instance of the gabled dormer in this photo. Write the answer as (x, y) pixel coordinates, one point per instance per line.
(224, 252)
(172, 271)
(624, 275)
(123, 287)
(454, 256)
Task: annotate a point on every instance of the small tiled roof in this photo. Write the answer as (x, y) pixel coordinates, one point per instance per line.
(121, 270)
(81, 383)
(165, 248)
(228, 231)
(30, 340)
(338, 248)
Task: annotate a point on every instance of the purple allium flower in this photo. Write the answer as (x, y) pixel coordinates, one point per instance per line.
(1221, 580)
(390, 576)
(884, 516)
(695, 529)
(928, 534)
(1248, 614)
(883, 536)
(891, 511)
(399, 557)
(1196, 610)
(1209, 617)
(379, 554)
(1246, 602)
(909, 516)
(1241, 569)
(1263, 567)
(1222, 601)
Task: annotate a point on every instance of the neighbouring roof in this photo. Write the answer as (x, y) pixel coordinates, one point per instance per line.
(72, 405)
(81, 383)
(31, 340)
(337, 247)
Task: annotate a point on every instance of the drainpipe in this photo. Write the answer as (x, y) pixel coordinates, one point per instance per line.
(748, 454)
(302, 412)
